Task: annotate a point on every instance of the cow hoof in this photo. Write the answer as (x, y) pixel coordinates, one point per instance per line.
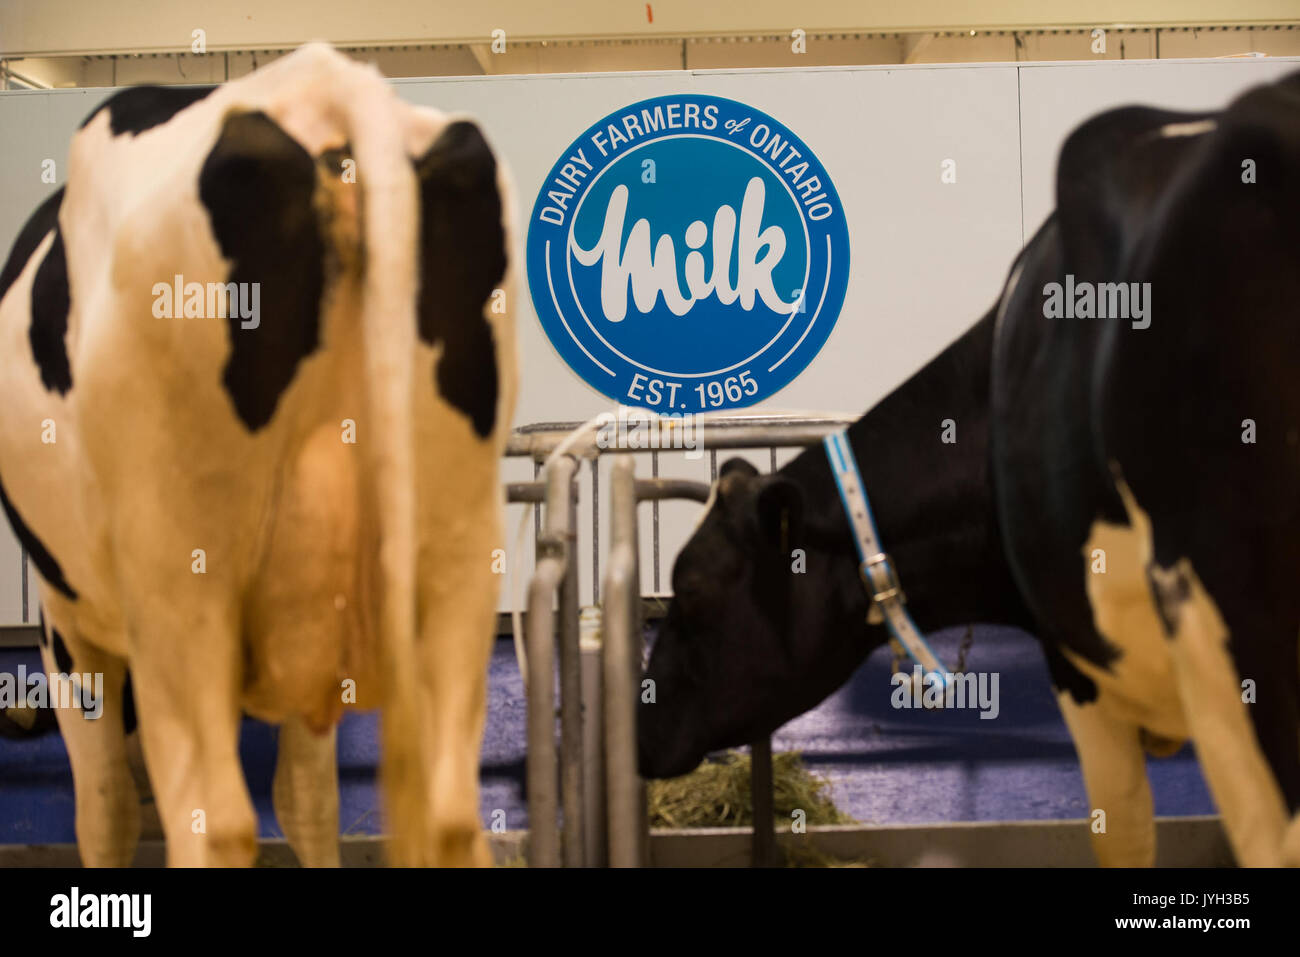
(1291, 844)
(461, 846)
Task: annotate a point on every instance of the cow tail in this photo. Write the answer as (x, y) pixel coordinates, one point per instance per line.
(390, 230)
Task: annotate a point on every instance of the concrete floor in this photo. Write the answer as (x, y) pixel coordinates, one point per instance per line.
(886, 766)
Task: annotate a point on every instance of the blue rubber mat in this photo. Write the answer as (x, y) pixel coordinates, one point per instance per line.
(884, 765)
(914, 766)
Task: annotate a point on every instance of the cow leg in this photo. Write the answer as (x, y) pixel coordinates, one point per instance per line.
(454, 654)
(1115, 776)
(306, 793)
(107, 803)
(187, 694)
(1254, 812)
(457, 626)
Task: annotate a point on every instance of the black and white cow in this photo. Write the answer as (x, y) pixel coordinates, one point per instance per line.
(280, 508)
(1127, 436)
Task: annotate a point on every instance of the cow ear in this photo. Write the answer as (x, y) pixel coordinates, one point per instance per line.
(779, 508)
(734, 476)
(737, 466)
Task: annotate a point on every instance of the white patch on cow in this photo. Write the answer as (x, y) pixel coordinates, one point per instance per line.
(1187, 129)
(1141, 687)
(1164, 688)
(1240, 779)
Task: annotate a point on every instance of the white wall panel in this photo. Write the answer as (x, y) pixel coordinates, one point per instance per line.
(1055, 98)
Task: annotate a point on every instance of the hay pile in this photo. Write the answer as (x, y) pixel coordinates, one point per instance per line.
(717, 794)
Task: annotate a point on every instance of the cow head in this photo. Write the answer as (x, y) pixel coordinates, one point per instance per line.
(766, 620)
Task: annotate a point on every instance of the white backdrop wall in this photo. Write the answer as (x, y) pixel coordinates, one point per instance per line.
(928, 258)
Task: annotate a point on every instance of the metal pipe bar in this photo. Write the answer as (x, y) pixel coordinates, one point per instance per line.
(595, 531)
(654, 523)
(552, 564)
(749, 437)
(624, 799)
(543, 801)
(628, 832)
(749, 432)
(571, 743)
(593, 747)
(723, 419)
(10, 75)
(517, 492)
(537, 512)
(761, 786)
(760, 789)
(656, 490)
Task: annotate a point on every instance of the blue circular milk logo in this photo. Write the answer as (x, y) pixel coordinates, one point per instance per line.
(688, 253)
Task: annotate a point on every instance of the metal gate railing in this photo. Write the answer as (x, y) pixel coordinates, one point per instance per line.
(595, 783)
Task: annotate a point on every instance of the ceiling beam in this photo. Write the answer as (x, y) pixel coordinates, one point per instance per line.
(914, 45)
(81, 27)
